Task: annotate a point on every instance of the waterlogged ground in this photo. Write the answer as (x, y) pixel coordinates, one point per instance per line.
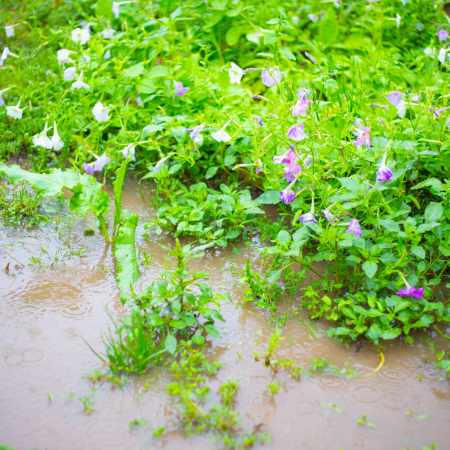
(46, 312)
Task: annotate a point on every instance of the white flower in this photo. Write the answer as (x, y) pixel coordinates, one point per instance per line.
(9, 29)
(442, 53)
(430, 52)
(221, 136)
(14, 111)
(87, 58)
(63, 56)
(80, 35)
(108, 33)
(80, 83)
(199, 140)
(101, 112)
(107, 55)
(398, 19)
(57, 143)
(70, 73)
(5, 55)
(401, 109)
(115, 8)
(313, 18)
(41, 139)
(236, 74)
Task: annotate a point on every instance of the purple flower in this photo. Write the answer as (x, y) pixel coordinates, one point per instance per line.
(258, 166)
(194, 132)
(180, 90)
(271, 77)
(363, 138)
(287, 196)
(411, 291)
(310, 57)
(395, 98)
(308, 217)
(297, 132)
(378, 105)
(291, 170)
(284, 158)
(96, 166)
(438, 112)
(384, 173)
(301, 106)
(442, 35)
(354, 228)
(129, 149)
(259, 120)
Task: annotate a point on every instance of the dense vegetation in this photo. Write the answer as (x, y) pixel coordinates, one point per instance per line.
(335, 112)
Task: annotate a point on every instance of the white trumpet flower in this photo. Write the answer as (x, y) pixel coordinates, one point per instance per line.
(57, 142)
(9, 29)
(101, 112)
(14, 111)
(80, 83)
(70, 73)
(63, 56)
(80, 35)
(42, 140)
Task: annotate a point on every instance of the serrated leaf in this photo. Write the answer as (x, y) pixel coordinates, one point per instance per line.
(286, 52)
(125, 251)
(270, 38)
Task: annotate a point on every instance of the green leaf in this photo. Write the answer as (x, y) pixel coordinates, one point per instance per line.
(149, 129)
(283, 237)
(125, 251)
(418, 251)
(391, 334)
(178, 133)
(233, 234)
(350, 184)
(120, 175)
(157, 71)
(134, 71)
(329, 28)
(271, 197)
(211, 172)
(180, 324)
(212, 330)
(286, 52)
(270, 38)
(434, 211)
(170, 344)
(370, 268)
(233, 34)
(390, 225)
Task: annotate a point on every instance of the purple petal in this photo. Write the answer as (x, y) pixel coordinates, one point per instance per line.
(395, 98)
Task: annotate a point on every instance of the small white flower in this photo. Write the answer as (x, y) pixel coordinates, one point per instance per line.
(398, 19)
(9, 29)
(80, 83)
(87, 58)
(442, 54)
(42, 140)
(401, 109)
(80, 35)
(101, 112)
(57, 143)
(5, 55)
(236, 73)
(313, 18)
(14, 111)
(221, 136)
(199, 140)
(108, 33)
(2, 102)
(63, 56)
(107, 55)
(430, 52)
(70, 73)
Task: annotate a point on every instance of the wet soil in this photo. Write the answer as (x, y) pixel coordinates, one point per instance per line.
(46, 312)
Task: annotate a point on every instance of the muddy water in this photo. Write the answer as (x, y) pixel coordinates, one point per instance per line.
(46, 311)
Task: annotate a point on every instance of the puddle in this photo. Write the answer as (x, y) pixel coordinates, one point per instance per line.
(46, 312)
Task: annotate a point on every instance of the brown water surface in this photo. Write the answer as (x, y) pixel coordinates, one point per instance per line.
(46, 311)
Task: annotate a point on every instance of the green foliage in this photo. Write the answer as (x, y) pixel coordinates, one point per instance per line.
(20, 207)
(179, 302)
(193, 394)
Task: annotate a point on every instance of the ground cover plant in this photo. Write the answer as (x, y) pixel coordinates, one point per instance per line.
(322, 129)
